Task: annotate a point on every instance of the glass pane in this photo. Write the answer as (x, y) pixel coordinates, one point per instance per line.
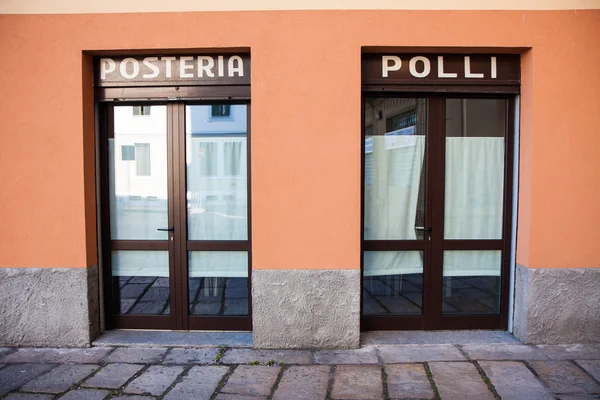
(218, 282)
(138, 174)
(471, 282)
(393, 283)
(216, 156)
(474, 168)
(141, 282)
(395, 131)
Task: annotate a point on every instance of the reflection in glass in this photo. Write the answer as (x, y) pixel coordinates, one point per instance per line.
(474, 168)
(138, 174)
(471, 282)
(218, 283)
(141, 282)
(394, 203)
(393, 283)
(217, 174)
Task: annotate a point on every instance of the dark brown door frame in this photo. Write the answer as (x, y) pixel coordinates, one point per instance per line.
(177, 244)
(434, 244)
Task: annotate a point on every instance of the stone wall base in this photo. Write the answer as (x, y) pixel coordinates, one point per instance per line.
(306, 308)
(49, 306)
(557, 305)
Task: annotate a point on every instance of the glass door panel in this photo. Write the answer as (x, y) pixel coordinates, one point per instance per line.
(216, 143)
(394, 205)
(138, 203)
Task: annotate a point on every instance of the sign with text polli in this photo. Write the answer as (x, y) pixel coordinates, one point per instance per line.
(452, 69)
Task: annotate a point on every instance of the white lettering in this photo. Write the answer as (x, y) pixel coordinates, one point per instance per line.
(494, 71)
(202, 68)
(107, 65)
(386, 67)
(412, 67)
(220, 66)
(148, 63)
(231, 68)
(123, 68)
(468, 73)
(183, 67)
(168, 65)
(441, 73)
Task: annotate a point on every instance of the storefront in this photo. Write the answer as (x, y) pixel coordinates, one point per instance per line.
(301, 174)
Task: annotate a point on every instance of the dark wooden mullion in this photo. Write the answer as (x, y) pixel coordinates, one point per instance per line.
(140, 244)
(436, 159)
(218, 245)
(180, 165)
(394, 245)
(508, 208)
(473, 244)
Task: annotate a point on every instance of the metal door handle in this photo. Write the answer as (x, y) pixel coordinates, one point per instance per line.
(171, 229)
(422, 228)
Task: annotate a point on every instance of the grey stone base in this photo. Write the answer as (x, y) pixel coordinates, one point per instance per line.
(557, 305)
(306, 308)
(49, 306)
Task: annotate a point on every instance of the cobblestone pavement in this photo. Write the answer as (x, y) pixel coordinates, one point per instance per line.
(477, 371)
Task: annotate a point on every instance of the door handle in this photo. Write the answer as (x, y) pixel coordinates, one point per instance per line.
(422, 228)
(171, 229)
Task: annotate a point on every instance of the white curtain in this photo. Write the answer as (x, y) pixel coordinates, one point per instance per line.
(473, 202)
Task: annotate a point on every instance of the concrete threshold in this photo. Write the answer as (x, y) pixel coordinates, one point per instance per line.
(146, 338)
(436, 337)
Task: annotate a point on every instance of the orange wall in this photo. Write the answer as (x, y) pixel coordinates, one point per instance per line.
(305, 125)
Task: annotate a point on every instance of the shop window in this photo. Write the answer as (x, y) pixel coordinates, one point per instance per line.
(232, 158)
(402, 121)
(142, 159)
(127, 153)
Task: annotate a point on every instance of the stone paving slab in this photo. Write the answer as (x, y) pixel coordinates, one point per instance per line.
(591, 366)
(419, 353)
(60, 379)
(408, 381)
(459, 380)
(136, 355)
(174, 339)
(252, 380)
(436, 337)
(571, 351)
(191, 356)
(85, 394)
(578, 397)
(357, 382)
(502, 351)
(28, 396)
(113, 376)
(366, 355)
(155, 380)
(225, 396)
(513, 381)
(303, 383)
(132, 398)
(14, 376)
(199, 383)
(564, 377)
(244, 356)
(58, 356)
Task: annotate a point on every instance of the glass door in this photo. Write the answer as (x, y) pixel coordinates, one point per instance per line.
(175, 225)
(435, 221)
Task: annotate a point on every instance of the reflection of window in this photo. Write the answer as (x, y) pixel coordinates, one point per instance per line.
(142, 159)
(141, 110)
(402, 121)
(233, 158)
(220, 110)
(127, 153)
(208, 158)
